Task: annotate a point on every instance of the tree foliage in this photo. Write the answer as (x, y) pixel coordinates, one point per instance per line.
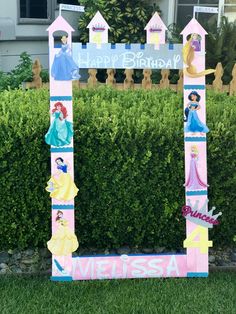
(127, 19)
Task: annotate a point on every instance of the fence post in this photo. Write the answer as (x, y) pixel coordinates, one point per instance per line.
(92, 80)
(217, 84)
(179, 87)
(164, 82)
(111, 77)
(146, 81)
(36, 69)
(129, 82)
(232, 84)
(37, 80)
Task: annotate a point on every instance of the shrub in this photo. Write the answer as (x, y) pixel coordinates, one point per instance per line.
(21, 73)
(129, 166)
(24, 167)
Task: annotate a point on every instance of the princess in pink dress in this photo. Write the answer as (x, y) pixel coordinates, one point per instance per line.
(194, 181)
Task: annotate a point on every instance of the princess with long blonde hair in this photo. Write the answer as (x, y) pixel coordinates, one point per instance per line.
(194, 181)
(188, 57)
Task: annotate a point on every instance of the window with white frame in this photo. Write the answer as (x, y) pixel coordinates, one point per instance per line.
(73, 2)
(35, 11)
(185, 11)
(230, 9)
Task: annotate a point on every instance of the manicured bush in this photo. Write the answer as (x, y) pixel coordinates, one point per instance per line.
(129, 166)
(24, 167)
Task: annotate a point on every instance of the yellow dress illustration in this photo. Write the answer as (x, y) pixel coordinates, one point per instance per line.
(62, 187)
(63, 242)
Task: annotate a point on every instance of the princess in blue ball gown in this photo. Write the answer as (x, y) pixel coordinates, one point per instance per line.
(61, 130)
(193, 122)
(64, 67)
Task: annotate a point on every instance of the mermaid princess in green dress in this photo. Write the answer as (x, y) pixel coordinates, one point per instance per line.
(60, 132)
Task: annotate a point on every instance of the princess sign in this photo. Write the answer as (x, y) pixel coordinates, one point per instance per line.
(65, 64)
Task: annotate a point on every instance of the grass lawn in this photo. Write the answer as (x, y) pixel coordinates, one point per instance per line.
(216, 294)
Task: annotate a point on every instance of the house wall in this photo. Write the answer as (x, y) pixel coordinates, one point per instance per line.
(167, 8)
(10, 53)
(8, 8)
(31, 38)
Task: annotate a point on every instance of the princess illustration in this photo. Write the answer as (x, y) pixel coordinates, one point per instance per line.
(61, 130)
(193, 44)
(61, 185)
(63, 242)
(64, 67)
(196, 42)
(194, 182)
(193, 122)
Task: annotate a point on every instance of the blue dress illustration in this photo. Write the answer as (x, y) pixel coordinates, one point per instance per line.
(64, 67)
(60, 132)
(193, 123)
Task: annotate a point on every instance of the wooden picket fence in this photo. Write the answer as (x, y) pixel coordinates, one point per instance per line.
(217, 84)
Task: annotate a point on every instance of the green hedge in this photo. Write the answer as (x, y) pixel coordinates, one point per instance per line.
(129, 166)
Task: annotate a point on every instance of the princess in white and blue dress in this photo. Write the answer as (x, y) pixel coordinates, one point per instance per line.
(193, 122)
(64, 67)
(61, 185)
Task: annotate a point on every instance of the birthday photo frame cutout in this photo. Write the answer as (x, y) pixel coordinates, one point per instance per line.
(65, 60)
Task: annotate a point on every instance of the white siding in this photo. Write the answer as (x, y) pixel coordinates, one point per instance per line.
(26, 37)
(11, 50)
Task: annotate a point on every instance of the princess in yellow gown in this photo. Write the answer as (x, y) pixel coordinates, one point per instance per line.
(61, 185)
(63, 242)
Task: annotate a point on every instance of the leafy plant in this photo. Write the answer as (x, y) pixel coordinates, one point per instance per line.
(221, 47)
(127, 19)
(21, 73)
(4, 81)
(44, 75)
(173, 33)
